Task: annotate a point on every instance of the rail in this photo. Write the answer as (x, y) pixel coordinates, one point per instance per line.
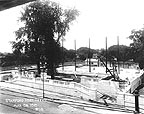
(92, 94)
(137, 83)
(124, 99)
(128, 101)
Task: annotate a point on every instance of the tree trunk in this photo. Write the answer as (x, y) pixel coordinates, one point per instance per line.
(38, 68)
(123, 64)
(52, 71)
(110, 63)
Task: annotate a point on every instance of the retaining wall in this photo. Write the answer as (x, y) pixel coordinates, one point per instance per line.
(81, 91)
(64, 87)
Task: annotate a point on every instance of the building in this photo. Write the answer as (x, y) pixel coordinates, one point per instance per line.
(93, 62)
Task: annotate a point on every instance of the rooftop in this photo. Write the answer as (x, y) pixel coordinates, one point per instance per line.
(6, 4)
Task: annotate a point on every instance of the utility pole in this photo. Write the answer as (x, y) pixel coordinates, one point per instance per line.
(43, 81)
(136, 94)
(118, 55)
(62, 56)
(89, 57)
(106, 53)
(75, 53)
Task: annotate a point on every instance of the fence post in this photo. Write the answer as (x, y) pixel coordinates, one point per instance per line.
(124, 100)
(96, 95)
(136, 94)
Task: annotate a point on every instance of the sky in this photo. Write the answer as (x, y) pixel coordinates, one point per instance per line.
(98, 19)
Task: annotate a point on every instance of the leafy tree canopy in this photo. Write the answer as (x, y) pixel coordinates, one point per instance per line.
(121, 52)
(45, 23)
(137, 46)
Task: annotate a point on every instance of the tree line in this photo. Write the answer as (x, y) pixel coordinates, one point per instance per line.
(125, 54)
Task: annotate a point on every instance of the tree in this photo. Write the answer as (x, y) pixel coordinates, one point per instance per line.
(68, 55)
(137, 47)
(83, 52)
(122, 55)
(8, 60)
(45, 23)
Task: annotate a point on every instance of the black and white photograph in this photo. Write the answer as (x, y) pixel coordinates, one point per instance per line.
(71, 56)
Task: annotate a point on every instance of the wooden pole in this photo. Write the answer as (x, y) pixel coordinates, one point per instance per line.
(89, 57)
(43, 82)
(118, 55)
(136, 93)
(106, 53)
(75, 53)
(62, 56)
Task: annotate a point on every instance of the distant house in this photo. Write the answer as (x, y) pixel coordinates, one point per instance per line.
(93, 62)
(95, 56)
